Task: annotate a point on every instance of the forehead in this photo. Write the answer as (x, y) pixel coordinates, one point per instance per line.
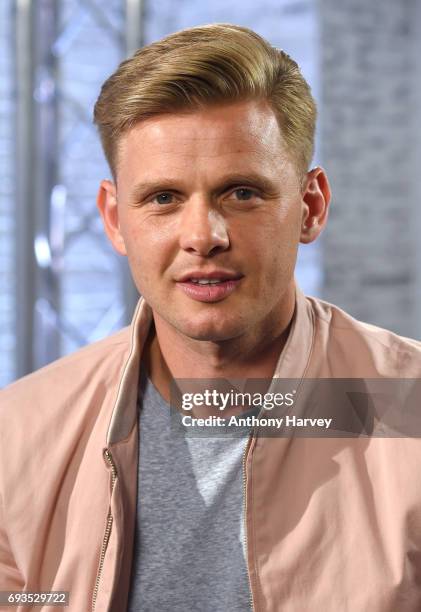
(244, 132)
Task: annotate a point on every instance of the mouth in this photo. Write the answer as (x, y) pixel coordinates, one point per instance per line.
(209, 288)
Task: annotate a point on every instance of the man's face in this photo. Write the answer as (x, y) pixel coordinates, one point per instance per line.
(202, 194)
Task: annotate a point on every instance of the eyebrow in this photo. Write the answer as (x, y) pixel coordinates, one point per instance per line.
(250, 179)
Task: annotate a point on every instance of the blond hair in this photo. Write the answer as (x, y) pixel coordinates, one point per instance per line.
(202, 66)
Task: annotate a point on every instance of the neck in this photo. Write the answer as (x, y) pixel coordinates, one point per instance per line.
(171, 355)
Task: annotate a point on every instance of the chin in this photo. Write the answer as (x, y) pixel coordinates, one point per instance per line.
(210, 331)
(209, 336)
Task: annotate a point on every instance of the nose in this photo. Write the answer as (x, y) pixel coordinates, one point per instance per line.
(202, 230)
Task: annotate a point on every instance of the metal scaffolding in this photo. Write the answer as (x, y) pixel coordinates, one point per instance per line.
(71, 288)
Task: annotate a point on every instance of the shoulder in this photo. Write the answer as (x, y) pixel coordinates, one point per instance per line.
(53, 425)
(67, 381)
(60, 412)
(362, 349)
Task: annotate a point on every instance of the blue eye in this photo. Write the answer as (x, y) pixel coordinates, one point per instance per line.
(244, 194)
(164, 198)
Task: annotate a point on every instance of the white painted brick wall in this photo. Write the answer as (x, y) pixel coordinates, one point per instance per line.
(368, 141)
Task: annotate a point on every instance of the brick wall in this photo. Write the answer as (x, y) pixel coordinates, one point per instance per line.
(370, 131)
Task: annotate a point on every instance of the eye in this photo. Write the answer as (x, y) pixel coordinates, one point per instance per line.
(163, 198)
(243, 193)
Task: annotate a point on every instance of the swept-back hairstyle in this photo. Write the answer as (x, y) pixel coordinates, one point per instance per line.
(203, 66)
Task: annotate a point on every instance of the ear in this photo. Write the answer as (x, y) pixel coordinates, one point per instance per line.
(107, 205)
(315, 204)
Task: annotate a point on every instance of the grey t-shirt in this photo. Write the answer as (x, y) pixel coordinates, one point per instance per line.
(189, 549)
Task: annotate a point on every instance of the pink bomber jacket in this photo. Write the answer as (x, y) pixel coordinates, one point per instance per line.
(332, 523)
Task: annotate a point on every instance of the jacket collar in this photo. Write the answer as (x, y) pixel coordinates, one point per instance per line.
(124, 413)
(292, 362)
(295, 357)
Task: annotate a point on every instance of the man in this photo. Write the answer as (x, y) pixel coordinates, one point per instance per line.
(209, 136)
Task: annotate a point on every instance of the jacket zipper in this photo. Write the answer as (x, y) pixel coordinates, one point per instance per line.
(249, 441)
(108, 528)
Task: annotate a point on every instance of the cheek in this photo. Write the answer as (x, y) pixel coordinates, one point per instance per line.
(272, 237)
(139, 237)
(149, 253)
(272, 250)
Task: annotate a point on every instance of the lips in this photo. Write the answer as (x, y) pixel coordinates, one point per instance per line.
(223, 275)
(210, 292)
